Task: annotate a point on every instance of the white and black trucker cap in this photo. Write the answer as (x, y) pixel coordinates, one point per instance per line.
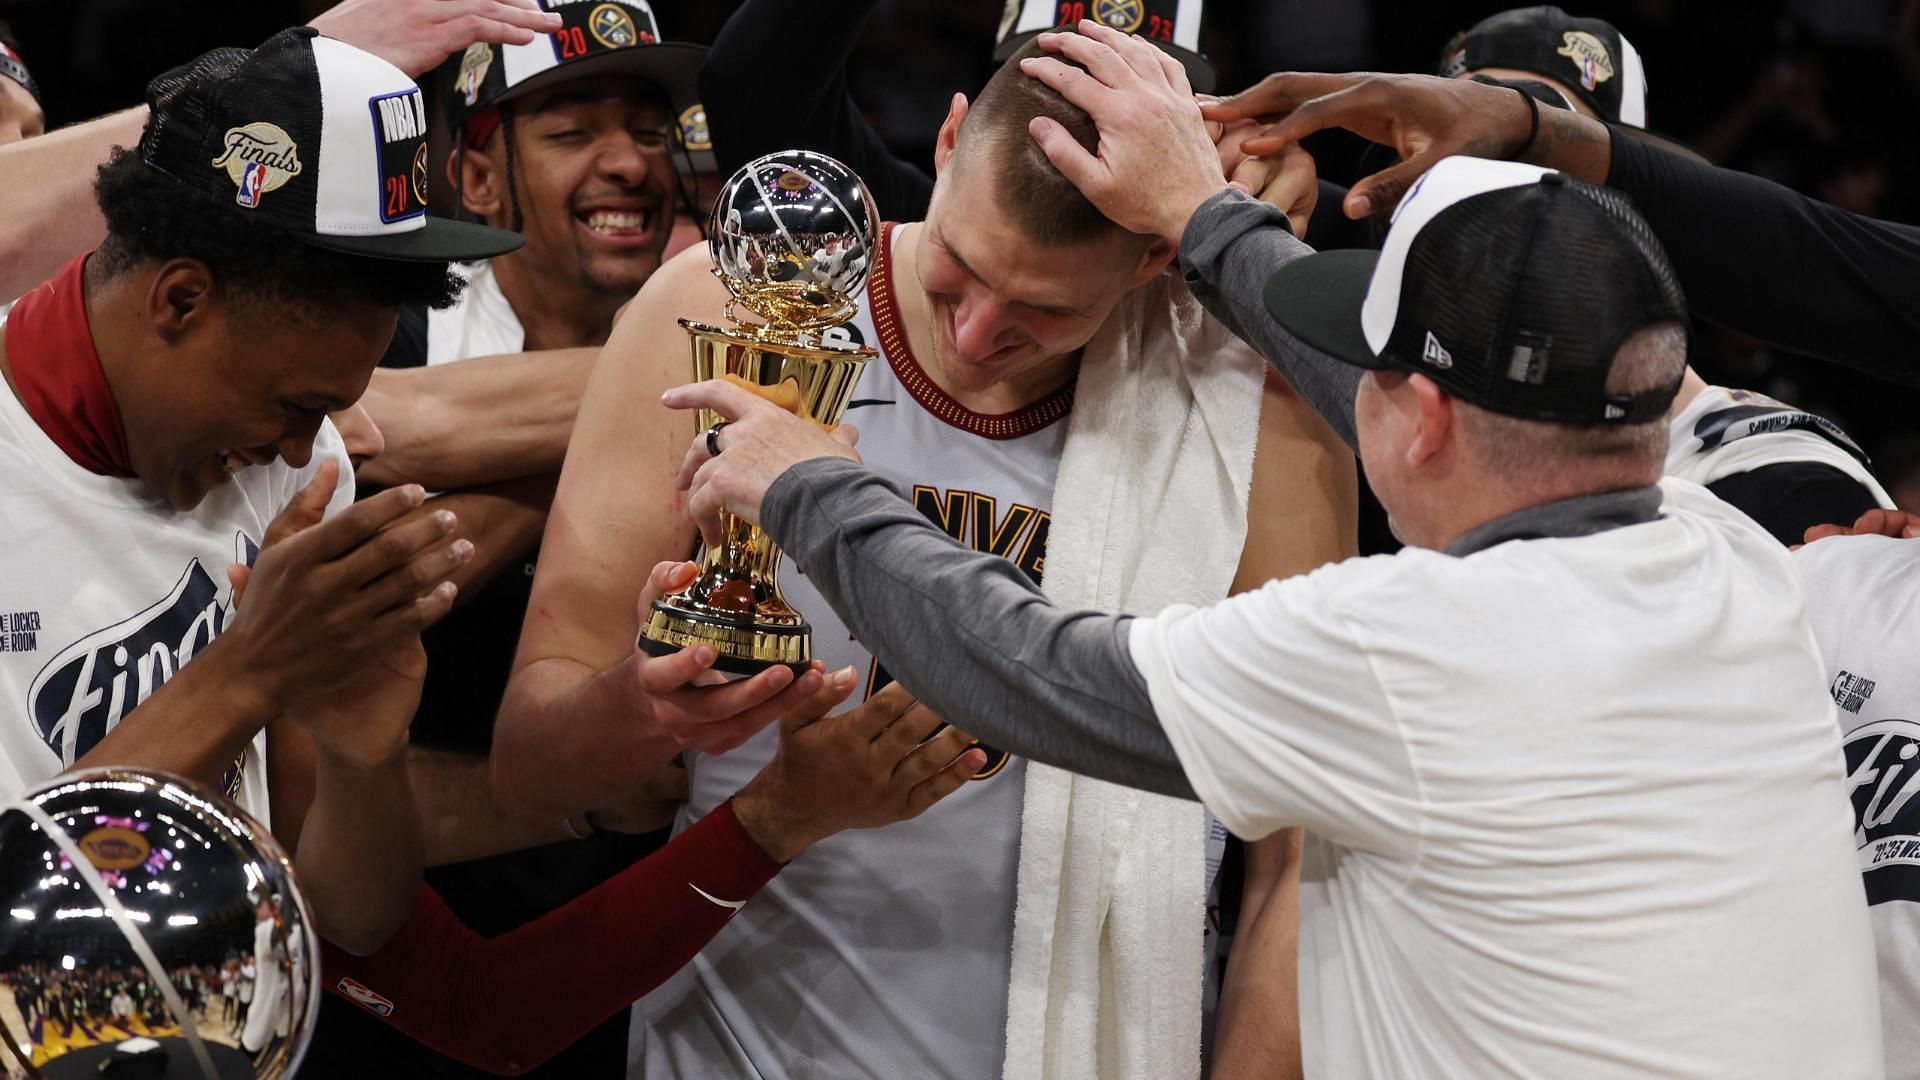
(1510, 286)
(313, 136)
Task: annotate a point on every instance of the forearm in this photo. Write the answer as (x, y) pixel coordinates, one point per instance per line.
(194, 725)
(1230, 248)
(360, 851)
(968, 634)
(510, 1002)
(47, 212)
(565, 742)
(459, 817)
(478, 421)
(1259, 1026)
(503, 522)
(1773, 264)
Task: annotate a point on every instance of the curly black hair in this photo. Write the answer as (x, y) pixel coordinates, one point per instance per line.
(153, 217)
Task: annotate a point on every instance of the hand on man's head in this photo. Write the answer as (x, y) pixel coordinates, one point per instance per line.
(416, 35)
(1156, 162)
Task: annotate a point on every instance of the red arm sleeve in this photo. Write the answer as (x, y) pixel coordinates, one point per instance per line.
(507, 1003)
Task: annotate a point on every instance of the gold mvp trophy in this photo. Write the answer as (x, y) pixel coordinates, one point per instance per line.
(792, 237)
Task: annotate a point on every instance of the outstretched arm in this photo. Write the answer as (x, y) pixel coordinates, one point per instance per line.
(479, 421)
(1751, 255)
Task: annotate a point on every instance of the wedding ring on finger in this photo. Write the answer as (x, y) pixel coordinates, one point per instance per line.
(713, 438)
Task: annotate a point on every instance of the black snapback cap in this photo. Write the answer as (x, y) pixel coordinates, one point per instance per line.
(1588, 56)
(1510, 286)
(313, 136)
(1173, 25)
(596, 37)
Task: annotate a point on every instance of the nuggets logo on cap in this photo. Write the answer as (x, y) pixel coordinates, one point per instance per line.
(1590, 55)
(259, 157)
(613, 27)
(1122, 15)
(474, 65)
(420, 173)
(692, 129)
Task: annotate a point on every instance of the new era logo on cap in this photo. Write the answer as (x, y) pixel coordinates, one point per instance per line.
(313, 136)
(1435, 353)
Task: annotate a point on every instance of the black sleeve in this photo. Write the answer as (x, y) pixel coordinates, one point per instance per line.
(1331, 230)
(776, 79)
(409, 347)
(1789, 497)
(1773, 264)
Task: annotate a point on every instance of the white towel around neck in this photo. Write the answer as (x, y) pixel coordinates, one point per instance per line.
(1149, 509)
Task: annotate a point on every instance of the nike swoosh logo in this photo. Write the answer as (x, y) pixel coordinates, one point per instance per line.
(735, 905)
(862, 403)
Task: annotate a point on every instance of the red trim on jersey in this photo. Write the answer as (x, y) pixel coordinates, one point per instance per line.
(906, 368)
(508, 1003)
(56, 372)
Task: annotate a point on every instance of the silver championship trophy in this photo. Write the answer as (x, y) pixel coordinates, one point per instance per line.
(792, 236)
(133, 898)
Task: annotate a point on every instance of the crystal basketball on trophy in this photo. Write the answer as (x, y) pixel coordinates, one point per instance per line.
(792, 237)
(141, 887)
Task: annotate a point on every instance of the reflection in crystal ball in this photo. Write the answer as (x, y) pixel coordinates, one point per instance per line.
(792, 236)
(120, 943)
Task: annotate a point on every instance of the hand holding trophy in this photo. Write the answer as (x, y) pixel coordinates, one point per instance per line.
(792, 237)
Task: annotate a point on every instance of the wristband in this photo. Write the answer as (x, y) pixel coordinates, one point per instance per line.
(1533, 124)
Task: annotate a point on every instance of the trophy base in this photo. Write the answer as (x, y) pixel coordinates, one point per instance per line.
(743, 648)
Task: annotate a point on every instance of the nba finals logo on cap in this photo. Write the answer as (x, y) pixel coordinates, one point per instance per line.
(114, 848)
(613, 27)
(259, 158)
(400, 135)
(474, 65)
(1590, 55)
(1122, 15)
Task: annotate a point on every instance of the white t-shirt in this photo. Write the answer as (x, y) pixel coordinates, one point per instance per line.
(480, 323)
(1724, 432)
(1575, 806)
(106, 590)
(1863, 599)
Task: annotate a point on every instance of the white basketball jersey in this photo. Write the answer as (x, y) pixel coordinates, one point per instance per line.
(1724, 432)
(1861, 596)
(879, 952)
